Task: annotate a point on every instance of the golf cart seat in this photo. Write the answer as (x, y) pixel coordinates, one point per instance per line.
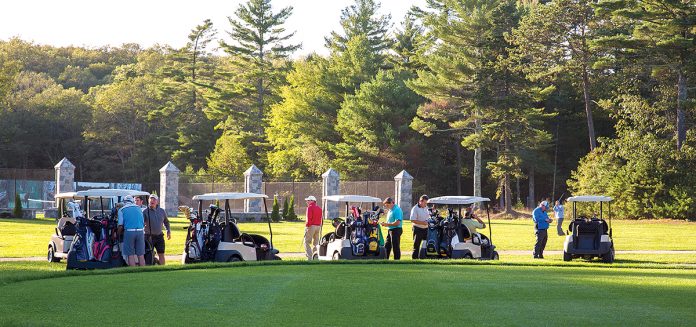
(230, 232)
(587, 234)
(463, 232)
(66, 227)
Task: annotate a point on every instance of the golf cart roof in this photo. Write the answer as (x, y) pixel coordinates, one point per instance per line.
(229, 196)
(65, 195)
(352, 198)
(589, 198)
(107, 192)
(458, 199)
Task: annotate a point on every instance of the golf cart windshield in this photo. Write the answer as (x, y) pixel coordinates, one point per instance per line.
(105, 199)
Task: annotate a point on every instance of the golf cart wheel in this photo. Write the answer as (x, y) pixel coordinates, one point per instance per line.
(52, 255)
(567, 256)
(315, 257)
(495, 256)
(336, 256)
(234, 258)
(275, 257)
(608, 257)
(468, 256)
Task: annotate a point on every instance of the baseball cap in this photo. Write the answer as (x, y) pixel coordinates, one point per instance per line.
(311, 198)
(545, 203)
(154, 196)
(128, 198)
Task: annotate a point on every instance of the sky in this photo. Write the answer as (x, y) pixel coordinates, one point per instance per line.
(94, 24)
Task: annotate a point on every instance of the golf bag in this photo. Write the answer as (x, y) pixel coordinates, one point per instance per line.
(358, 238)
(433, 242)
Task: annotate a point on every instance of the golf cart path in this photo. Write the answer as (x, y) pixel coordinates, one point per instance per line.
(408, 253)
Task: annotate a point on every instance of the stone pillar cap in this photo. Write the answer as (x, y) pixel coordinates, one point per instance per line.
(64, 163)
(169, 167)
(330, 173)
(403, 175)
(253, 170)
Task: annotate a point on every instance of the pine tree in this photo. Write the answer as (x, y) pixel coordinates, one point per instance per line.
(660, 36)
(284, 213)
(474, 89)
(292, 216)
(17, 211)
(275, 213)
(555, 39)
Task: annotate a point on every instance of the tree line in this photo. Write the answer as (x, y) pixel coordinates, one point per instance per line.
(521, 100)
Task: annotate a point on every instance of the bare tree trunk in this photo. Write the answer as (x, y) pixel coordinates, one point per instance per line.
(477, 164)
(508, 194)
(518, 196)
(681, 117)
(530, 198)
(458, 148)
(588, 107)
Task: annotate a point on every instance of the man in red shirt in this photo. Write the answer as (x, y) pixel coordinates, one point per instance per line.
(313, 226)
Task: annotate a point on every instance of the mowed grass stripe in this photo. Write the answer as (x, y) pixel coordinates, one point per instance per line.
(368, 294)
(29, 238)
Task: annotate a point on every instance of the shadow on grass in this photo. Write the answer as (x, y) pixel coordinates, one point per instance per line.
(34, 271)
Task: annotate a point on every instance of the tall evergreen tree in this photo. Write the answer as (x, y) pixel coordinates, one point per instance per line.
(556, 38)
(361, 19)
(661, 35)
(476, 88)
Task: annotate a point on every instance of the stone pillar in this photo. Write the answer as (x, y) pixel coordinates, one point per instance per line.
(253, 183)
(65, 176)
(330, 186)
(403, 191)
(169, 189)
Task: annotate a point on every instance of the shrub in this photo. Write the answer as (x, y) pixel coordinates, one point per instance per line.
(292, 216)
(285, 209)
(275, 214)
(17, 212)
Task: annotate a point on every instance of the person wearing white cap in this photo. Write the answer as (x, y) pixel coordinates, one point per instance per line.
(541, 224)
(131, 224)
(313, 226)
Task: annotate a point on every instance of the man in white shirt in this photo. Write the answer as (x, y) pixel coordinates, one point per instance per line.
(419, 219)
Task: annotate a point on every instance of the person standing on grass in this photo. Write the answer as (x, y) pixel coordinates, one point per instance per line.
(394, 222)
(419, 219)
(312, 227)
(157, 217)
(559, 213)
(541, 224)
(131, 224)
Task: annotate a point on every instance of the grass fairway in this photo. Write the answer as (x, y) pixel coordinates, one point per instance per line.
(29, 238)
(365, 294)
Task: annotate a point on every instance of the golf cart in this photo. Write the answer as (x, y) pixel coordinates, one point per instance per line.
(358, 236)
(589, 237)
(95, 243)
(60, 242)
(449, 238)
(214, 238)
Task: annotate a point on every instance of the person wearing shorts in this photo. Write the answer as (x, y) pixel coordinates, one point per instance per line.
(131, 224)
(155, 217)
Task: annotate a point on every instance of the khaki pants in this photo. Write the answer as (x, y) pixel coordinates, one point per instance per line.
(312, 235)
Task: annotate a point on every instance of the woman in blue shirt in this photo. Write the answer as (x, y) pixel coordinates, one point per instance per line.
(394, 221)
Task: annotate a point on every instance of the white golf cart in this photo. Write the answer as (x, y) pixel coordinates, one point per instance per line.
(449, 238)
(68, 209)
(589, 237)
(356, 237)
(95, 244)
(209, 239)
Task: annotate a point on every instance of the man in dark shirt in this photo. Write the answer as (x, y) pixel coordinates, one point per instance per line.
(155, 217)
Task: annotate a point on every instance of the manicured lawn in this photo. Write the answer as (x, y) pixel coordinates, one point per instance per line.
(25, 238)
(364, 294)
